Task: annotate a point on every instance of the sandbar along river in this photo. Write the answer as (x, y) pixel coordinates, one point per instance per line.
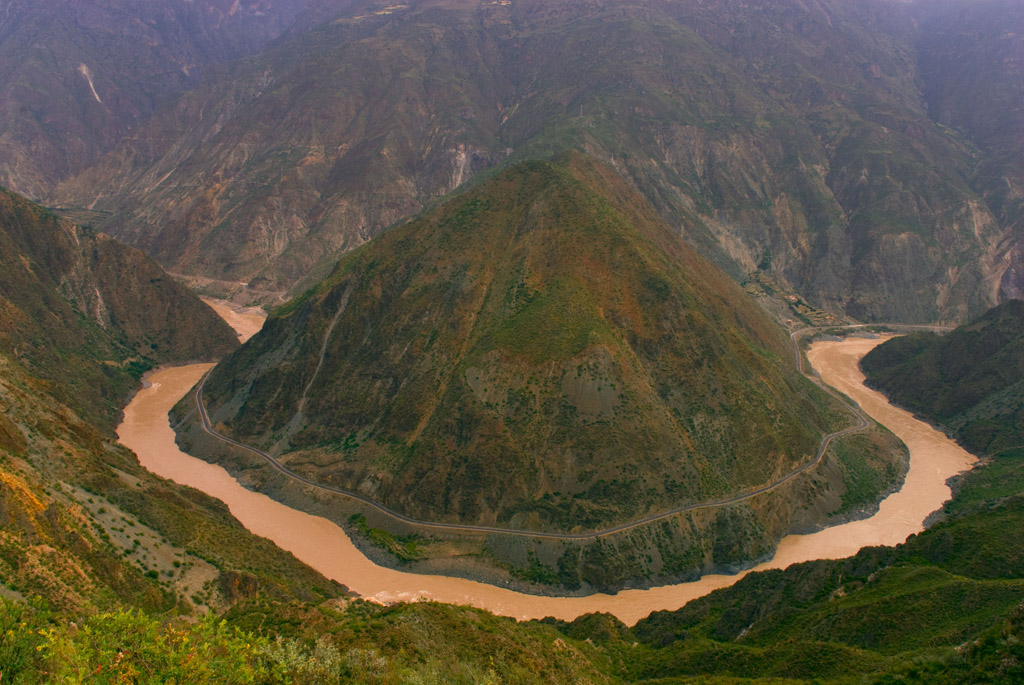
(324, 546)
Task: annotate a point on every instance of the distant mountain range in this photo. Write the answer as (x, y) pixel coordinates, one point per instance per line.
(834, 144)
(76, 77)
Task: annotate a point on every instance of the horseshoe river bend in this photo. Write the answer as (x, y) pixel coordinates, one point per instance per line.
(324, 546)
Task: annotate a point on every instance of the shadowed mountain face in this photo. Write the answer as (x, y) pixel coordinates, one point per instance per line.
(88, 315)
(76, 77)
(540, 351)
(82, 524)
(776, 136)
(972, 64)
(970, 381)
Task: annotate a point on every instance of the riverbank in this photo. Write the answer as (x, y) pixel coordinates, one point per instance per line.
(325, 546)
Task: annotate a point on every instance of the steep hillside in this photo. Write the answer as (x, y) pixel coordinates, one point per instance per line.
(885, 610)
(89, 315)
(970, 381)
(76, 77)
(82, 525)
(529, 349)
(538, 353)
(775, 136)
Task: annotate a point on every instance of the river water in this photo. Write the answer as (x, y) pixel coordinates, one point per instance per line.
(324, 546)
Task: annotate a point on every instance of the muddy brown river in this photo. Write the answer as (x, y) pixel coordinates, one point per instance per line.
(325, 546)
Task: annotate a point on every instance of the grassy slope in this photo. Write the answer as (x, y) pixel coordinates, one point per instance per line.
(542, 353)
(946, 606)
(910, 614)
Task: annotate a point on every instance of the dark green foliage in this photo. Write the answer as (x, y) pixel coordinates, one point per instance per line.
(404, 547)
(867, 469)
(943, 607)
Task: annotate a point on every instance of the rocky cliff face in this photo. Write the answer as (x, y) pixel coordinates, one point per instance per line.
(779, 137)
(972, 66)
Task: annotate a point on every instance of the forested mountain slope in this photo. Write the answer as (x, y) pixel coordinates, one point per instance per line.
(82, 525)
(970, 381)
(88, 315)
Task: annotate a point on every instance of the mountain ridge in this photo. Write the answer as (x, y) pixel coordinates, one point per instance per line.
(127, 314)
(83, 527)
(759, 150)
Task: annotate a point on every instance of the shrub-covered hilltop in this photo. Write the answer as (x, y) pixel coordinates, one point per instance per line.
(539, 353)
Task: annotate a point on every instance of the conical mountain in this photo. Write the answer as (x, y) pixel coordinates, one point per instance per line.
(540, 351)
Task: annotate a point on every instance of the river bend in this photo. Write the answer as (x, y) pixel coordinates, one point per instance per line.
(324, 546)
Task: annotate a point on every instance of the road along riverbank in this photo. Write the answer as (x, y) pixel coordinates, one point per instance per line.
(325, 546)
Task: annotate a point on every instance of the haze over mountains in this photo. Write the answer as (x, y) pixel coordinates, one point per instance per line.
(816, 142)
(545, 333)
(970, 58)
